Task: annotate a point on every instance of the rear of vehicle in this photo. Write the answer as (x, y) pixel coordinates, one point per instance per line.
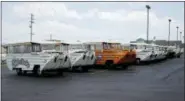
(109, 54)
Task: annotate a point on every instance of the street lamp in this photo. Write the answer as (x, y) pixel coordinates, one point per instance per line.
(177, 32)
(180, 36)
(147, 30)
(169, 32)
(177, 36)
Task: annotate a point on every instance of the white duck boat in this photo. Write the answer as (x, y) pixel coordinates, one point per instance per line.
(158, 51)
(61, 51)
(144, 52)
(177, 51)
(28, 57)
(82, 56)
(171, 51)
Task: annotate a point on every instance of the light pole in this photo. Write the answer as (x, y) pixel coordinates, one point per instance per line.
(147, 30)
(180, 36)
(177, 32)
(177, 36)
(169, 32)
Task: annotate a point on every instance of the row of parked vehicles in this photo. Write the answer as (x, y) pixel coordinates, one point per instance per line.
(47, 56)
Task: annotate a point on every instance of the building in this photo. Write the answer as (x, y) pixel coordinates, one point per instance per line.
(161, 42)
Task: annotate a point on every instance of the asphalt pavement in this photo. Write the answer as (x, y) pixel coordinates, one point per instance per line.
(163, 81)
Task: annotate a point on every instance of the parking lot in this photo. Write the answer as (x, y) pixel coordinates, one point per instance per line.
(163, 81)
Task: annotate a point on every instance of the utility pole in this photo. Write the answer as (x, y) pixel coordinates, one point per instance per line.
(31, 27)
(147, 30)
(169, 32)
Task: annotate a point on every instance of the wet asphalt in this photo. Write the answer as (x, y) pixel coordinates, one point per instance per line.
(163, 81)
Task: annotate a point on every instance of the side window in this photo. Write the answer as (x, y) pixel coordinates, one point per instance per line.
(36, 48)
(22, 48)
(10, 49)
(88, 47)
(104, 46)
(27, 49)
(16, 49)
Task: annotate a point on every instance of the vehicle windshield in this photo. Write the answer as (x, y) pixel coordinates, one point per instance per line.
(111, 46)
(126, 47)
(48, 47)
(89, 47)
(64, 48)
(116, 45)
(76, 46)
(138, 46)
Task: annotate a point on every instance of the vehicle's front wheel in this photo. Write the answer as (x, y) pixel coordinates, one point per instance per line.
(138, 61)
(37, 72)
(19, 71)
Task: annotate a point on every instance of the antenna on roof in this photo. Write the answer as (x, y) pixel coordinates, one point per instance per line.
(31, 27)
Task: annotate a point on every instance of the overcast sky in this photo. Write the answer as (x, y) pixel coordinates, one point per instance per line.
(85, 21)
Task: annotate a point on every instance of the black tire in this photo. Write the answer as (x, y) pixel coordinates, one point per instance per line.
(138, 61)
(72, 69)
(125, 67)
(24, 72)
(178, 56)
(19, 71)
(85, 69)
(37, 72)
(109, 65)
(60, 72)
